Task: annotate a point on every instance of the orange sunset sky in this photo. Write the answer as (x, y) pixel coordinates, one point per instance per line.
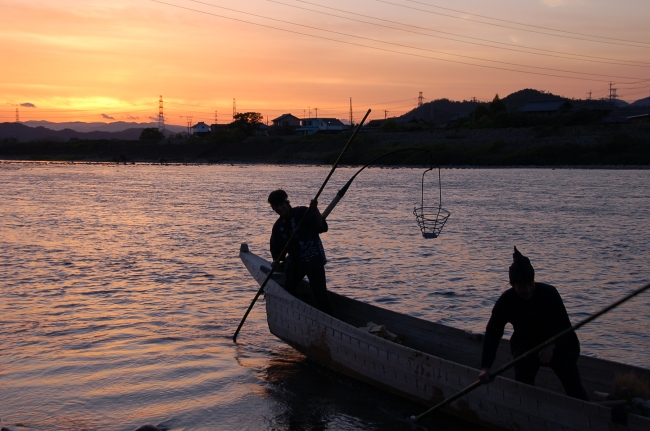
(101, 60)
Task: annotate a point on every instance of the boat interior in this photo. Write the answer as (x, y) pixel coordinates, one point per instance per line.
(463, 347)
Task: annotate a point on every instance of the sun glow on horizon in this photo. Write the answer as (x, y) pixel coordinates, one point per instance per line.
(95, 60)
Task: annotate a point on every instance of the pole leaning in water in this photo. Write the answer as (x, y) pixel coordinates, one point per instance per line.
(284, 251)
(534, 350)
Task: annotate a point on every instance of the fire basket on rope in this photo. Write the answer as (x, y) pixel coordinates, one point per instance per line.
(431, 219)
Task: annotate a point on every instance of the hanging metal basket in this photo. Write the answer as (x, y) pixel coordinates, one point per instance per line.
(431, 219)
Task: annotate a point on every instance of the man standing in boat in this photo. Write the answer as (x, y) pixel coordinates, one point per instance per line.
(306, 255)
(537, 313)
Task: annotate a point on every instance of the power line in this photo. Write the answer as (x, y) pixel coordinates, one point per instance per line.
(285, 109)
(518, 48)
(512, 28)
(395, 44)
(526, 25)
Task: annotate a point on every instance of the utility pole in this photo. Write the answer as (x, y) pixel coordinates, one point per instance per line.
(612, 93)
(385, 114)
(420, 98)
(589, 97)
(189, 126)
(215, 117)
(309, 111)
(234, 109)
(17, 116)
(351, 118)
(316, 112)
(161, 116)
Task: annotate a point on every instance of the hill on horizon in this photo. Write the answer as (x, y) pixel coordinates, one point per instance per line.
(98, 126)
(25, 133)
(440, 111)
(642, 102)
(516, 100)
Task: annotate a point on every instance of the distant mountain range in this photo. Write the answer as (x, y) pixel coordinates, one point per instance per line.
(117, 126)
(35, 131)
(25, 133)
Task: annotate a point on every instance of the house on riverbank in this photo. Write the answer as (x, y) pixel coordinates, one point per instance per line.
(286, 120)
(309, 126)
(200, 129)
(285, 124)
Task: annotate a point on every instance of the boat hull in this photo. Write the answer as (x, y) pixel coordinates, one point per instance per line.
(417, 375)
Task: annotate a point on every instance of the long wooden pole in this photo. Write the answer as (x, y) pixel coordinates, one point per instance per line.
(532, 351)
(284, 251)
(345, 188)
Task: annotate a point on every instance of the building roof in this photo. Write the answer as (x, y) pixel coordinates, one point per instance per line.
(331, 121)
(544, 106)
(200, 124)
(283, 116)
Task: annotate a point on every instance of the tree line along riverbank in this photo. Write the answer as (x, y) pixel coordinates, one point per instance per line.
(626, 145)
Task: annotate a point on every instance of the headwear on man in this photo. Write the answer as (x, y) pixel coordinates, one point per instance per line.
(521, 271)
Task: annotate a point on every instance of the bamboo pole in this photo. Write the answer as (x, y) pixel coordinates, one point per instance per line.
(284, 251)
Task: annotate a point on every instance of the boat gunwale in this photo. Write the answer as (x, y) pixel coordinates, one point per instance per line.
(560, 400)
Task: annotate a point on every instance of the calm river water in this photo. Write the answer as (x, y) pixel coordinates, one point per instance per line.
(121, 286)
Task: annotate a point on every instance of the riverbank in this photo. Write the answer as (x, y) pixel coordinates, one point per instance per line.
(613, 145)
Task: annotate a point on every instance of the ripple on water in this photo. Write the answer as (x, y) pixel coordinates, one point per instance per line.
(122, 287)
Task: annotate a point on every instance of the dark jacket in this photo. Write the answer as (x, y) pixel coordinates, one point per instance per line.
(306, 251)
(534, 321)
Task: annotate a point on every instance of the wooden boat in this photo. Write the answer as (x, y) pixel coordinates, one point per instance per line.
(435, 361)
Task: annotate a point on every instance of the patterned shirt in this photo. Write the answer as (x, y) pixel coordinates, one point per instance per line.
(306, 250)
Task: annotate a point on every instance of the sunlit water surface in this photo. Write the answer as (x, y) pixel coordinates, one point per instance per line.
(121, 285)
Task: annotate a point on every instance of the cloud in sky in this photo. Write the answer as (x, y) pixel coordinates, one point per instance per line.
(28, 105)
(153, 118)
(107, 117)
(86, 36)
(131, 117)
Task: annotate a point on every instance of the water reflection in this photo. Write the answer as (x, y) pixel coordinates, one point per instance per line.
(122, 287)
(312, 397)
